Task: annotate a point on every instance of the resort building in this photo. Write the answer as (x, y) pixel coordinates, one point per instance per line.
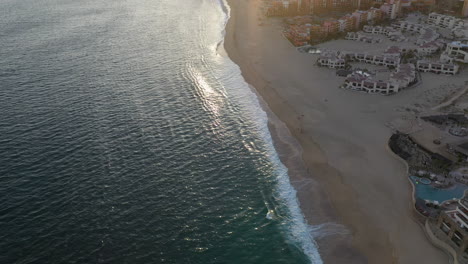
(408, 26)
(387, 31)
(391, 8)
(361, 17)
(316, 31)
(454, 224)
(429, 48)
(455, 51)
(460, 215)
(383, 60)
(443, 20)
(330, 26)
(360, 81)
(353, 36)
(376, 14)
(394, 51)
(327, 6)
(334, 63)
(402, 78)
(359, 37)
(398, 38)
(390, 32)
(373, 30)
(346, 23)
(461, 31)
(439, 68)
(332, 60)
(427, 35)
(299, 35)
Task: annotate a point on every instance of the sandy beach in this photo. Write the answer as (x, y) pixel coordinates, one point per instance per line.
(343, 140)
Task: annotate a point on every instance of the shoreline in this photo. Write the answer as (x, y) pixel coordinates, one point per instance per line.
(317, 160)
(340, 202)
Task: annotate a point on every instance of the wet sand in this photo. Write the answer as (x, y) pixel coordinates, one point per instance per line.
(347, 175)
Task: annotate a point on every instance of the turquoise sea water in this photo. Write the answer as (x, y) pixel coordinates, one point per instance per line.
(126, 138)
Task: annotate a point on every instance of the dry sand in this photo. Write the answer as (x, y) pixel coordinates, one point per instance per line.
(343, 136)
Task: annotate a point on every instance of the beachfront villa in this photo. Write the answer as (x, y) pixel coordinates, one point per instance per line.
(382, 60)
(360, 81)
(455, 51)
(461, 31)
(404, 76)
(444, 21)
(394, 51)
(356, 36)
(336, 59)
(387, 31)
(430, 48)
(332, 60)
(409, 26)
(426, 34)
(390, 32)
(437, 67)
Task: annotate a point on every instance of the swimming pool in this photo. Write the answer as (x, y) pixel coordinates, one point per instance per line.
(428, 192)
(417, 179)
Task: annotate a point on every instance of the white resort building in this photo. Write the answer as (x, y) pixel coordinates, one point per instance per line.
(332, 60)
(380, 30)
(383, 60)
(360, 81)
(402, 78)
(430, 48)
(455, 51)
(444, 20)
(454, 224)
(427, 34)
(390, 32)
(337, 59)
(461, 31)
(356, 36)
(394, 51)
(460, 215)
(437, 67)
(408, 26)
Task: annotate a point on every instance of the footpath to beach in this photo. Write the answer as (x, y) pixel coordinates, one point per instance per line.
(343, 136)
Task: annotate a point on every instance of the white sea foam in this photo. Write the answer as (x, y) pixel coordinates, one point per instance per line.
(227, 11)
(298, 231)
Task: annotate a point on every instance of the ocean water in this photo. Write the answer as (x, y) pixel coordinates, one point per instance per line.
(125, 137)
